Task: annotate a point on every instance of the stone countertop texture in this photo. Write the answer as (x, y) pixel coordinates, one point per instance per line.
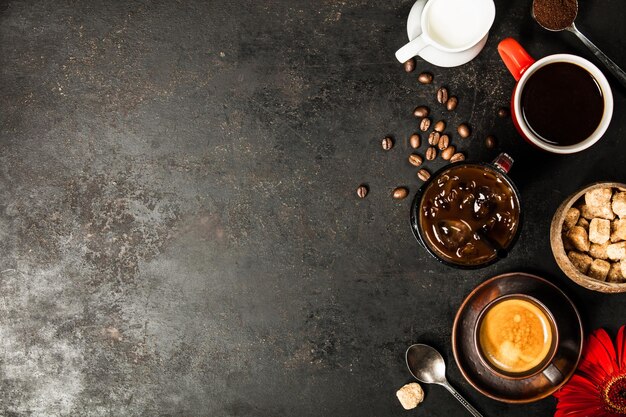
(180, 233)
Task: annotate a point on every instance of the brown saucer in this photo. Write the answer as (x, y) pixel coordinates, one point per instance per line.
(530, 389)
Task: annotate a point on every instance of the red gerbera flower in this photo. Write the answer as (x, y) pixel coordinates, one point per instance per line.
(598, 388)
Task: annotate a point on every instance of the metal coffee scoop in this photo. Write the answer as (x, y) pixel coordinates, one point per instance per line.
(426, 365)
(608, 63)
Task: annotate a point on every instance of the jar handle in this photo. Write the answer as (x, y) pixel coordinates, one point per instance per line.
(514, 57)
(503, 162)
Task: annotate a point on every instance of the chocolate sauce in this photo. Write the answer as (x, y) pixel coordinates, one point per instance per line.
(562, 103)
(465, 211)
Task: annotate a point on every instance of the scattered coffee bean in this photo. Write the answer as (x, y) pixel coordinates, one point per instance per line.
(423, 174)
(457, 157)
(503, 112)
(387, 143)
(444, 142)
(464, 130)
(425, 78)
(440, 126)
(452, 103)
(415, 159)
(431, 153)
(424, 124)
(400, 193)
(490, 142)
(447, 153)
(361, 191)
(442, 95)
(409, 65)
(421, 111)
(433, 138)
(414, 140)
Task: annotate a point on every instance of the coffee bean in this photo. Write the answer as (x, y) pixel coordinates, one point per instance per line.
(433, 138)
(447, 153)
(415, 159)
(440, 126)
(361, 191)
(387, 143)
(425, 78)
(464, 130)
(490, 142)
(414, 140)
(409, 65)
(442, 95)
(444, 142)
(423, 174)
(503, 112)
(452, 103)
(457, 157)
(431, 153)
(421, 111)
(424, 124)
(400, 193)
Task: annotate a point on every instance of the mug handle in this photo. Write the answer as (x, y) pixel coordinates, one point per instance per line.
(514, 57)
(411, 49)
(553, 374)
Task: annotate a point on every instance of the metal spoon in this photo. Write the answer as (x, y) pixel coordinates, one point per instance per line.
(608, 63)
(427, 365)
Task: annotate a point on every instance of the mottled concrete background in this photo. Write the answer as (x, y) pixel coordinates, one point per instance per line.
(179, 233)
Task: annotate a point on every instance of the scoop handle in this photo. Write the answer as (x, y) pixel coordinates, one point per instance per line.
(462, 400)
(514, 57)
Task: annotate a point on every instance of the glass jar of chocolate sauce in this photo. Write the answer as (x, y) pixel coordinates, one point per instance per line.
(468, 215)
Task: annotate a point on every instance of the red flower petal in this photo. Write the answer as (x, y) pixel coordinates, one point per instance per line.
(600, 351)
(621, 347)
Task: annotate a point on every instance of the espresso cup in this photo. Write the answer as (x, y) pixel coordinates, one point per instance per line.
(516, 337)
(523, 67)
(451, 26)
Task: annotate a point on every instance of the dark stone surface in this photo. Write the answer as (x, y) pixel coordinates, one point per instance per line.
(180, 231)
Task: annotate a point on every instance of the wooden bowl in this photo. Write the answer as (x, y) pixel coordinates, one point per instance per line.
(556, 242)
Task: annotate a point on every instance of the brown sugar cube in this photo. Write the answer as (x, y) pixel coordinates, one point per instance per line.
(598, 251)
(410, 395)
(599, 269)
(582, 222)
(598, 203)
(615, 273)
(571, 217)
(579, 238)
(622, 267)
(616, 251)
(619, 203)
(599, 230)
(580, 261)
(567, 245)
(618, 230)
(585, 212)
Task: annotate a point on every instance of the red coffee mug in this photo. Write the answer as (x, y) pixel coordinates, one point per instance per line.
(521, 65)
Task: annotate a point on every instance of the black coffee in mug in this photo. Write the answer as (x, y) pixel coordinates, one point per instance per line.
(562, 103)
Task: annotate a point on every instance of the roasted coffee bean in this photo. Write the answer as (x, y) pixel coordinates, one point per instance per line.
(421, 111)
(440, 126)
(457, 157)
(415, 159)
(490, 142)
(425, 78)
(433, 138)
(415, 140)
(387, 143)
(361, 191)
(444, 142)
(442, 95)
(431, 153)
(409, 65)
(447, 153)
(423, 174)
(400, 193)
(452, 103)
(503, 112)
(464, 130)
(424, 124)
